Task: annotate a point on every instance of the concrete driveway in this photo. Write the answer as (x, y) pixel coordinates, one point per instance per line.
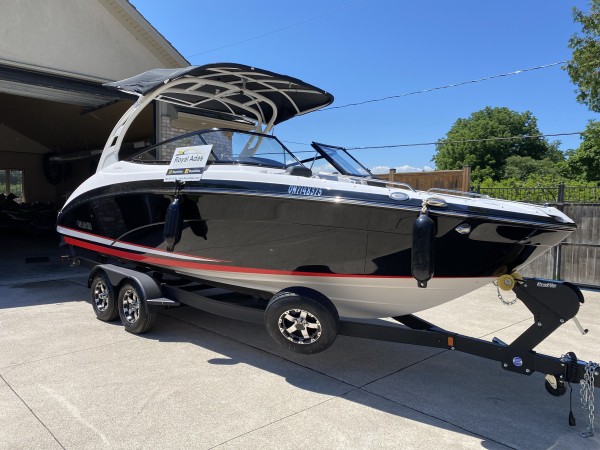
(68, 380)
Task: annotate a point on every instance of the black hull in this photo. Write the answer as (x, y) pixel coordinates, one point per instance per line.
(278, 233)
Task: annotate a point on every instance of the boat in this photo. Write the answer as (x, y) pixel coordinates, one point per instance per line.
(256, 217)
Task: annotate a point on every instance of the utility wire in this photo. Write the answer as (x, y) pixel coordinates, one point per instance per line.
(278, 29)
(424, 91)
(442, 142)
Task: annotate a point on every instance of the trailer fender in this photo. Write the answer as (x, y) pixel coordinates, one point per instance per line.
(149, 288)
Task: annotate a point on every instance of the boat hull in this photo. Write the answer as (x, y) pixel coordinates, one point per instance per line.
(356, 253)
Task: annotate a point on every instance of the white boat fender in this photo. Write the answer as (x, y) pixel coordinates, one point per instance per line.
(423, 248)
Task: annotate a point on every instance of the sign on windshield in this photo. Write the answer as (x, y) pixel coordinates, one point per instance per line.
(188, 163)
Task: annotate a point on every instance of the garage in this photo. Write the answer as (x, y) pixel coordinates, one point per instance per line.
(56, 115)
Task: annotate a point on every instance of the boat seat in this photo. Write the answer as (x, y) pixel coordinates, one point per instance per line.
(299, 171)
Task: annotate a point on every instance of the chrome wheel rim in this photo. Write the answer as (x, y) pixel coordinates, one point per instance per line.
(101, 296)
(131, 306)
(299, 326)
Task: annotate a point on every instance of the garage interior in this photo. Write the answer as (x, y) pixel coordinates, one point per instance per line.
(56, 116)
(52, 131)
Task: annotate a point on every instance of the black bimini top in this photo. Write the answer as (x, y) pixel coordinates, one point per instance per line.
(230, 88)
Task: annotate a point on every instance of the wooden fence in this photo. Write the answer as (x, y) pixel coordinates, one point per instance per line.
(578, 258)
(458, 180)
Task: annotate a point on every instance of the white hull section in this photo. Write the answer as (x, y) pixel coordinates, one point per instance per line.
(356, 296)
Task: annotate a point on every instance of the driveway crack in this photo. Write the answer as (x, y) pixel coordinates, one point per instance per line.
(32, 412)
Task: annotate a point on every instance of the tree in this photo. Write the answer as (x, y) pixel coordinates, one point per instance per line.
(584, 67)
(525, 167)
(584, 162)
(465, 142)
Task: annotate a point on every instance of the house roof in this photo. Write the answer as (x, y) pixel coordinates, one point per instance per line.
(143, 30)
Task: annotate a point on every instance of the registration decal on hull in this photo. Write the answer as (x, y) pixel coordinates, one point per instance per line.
(305, 190)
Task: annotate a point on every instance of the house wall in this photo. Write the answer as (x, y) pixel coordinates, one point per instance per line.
(173, 123)
(79, 38)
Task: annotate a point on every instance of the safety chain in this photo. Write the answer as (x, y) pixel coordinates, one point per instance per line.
(507, 303)
(587, 396)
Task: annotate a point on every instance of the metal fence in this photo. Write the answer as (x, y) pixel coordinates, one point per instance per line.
(548, 194)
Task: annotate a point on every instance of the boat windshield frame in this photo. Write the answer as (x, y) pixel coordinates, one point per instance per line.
(248, 160)
(342, 164)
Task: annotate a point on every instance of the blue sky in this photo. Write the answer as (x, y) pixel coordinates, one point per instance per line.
(360, 50)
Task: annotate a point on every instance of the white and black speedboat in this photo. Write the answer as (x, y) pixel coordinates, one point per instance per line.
(262, 219)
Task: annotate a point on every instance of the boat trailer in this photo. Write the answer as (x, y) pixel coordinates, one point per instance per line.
(552, 304)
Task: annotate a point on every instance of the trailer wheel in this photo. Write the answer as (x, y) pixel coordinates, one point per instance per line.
(104, 301)
(136, 316)
(301, 320)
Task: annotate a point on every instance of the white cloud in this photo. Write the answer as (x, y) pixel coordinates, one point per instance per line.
(405, 168)
(380, 170)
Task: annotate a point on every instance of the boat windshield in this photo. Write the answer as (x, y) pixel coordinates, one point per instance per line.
(228, 147)
(342, 160)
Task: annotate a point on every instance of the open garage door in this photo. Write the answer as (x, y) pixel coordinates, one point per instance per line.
(52, 130)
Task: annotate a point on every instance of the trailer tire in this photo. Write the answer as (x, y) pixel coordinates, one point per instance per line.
(301, 320)
(137, 317)
(103, 298)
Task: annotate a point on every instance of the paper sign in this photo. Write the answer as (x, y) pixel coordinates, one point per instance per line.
(188, 163)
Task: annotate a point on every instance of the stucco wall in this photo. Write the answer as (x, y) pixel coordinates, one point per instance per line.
(85, 38)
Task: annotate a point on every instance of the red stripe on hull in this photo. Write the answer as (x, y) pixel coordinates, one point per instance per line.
(212, 267)
(139, 245)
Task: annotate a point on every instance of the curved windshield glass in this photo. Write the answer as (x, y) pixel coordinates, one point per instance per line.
(343, 161)
(228, 147)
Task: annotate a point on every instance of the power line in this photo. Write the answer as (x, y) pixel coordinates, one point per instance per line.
(278, 29)
(294, 142)
(534, 136)
(462, 83)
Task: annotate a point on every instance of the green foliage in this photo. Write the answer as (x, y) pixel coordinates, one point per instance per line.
(488, 158)
(525, 167)
(539, 188)
(584, 162)
(584, 67)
